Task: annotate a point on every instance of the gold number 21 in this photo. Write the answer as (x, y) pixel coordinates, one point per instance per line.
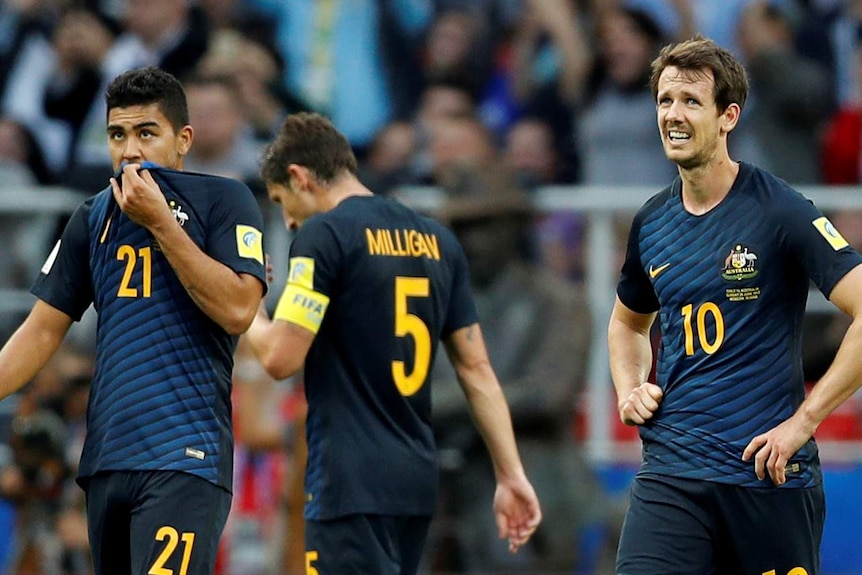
(173, 538)
(127, 253)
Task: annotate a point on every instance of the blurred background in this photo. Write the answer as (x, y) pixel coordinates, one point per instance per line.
(526, 125)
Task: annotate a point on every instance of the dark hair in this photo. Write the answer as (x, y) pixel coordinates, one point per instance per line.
(150, 85)
(698, 55)
(309, 140)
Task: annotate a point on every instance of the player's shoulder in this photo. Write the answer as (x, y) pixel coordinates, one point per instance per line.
(217, 188)
(766, 187)
(358, 212)
(96, 203)
(657, 201)
(349, 223)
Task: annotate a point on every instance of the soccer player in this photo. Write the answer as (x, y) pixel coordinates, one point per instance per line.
(730, 481)
(372, 287)
(173, 265)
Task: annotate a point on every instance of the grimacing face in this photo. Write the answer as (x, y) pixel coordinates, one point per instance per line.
(143, 133)
(690, 124)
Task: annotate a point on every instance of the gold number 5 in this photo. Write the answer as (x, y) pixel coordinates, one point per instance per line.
(410, 324)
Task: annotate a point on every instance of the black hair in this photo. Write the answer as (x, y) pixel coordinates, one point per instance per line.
(150, 85)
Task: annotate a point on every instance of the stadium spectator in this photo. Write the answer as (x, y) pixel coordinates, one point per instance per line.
(27, 236)
(615, 126)
(536, 328)
(530, 150)
(390, 161)
(55, 79)
(552, 56)
(224, 141)
(256, 71)
(337, 61)
(791, 97)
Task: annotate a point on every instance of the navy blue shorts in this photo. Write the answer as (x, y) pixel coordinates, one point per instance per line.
(379, 544)
(691, 527)
(145, 522)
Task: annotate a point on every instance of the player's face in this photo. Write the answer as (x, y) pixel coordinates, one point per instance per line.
(692, 128)
(143, 133)
(296, 205)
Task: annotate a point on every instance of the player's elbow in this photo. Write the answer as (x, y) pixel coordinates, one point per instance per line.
(237, 324)
(278, 366)
(239, 311)
(237, 319)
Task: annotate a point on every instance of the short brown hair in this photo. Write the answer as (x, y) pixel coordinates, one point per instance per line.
(309, 140)
(697, 55)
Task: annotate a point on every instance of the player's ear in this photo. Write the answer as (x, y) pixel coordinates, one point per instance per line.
(730, 117)
(184, 139)
(301, 175)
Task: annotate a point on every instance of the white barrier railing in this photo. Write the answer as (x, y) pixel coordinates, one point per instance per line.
(601, 204)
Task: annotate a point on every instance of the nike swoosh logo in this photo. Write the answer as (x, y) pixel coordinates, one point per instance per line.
(653, 272)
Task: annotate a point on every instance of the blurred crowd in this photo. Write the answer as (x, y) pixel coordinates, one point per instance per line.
(486, 100)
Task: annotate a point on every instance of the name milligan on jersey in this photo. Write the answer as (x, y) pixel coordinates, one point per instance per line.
(407, 243)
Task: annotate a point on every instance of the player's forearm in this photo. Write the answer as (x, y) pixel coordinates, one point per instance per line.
(25, 353)
(221, 293)
(260, 340)
(841, 380)
(490, 412)
(630, 357)
(279, 345)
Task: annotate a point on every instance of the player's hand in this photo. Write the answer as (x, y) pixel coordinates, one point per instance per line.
(641, 404)
(517, 511)
(773, 449)
(140, 197)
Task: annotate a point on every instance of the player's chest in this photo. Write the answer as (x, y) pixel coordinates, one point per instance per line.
(718, 263)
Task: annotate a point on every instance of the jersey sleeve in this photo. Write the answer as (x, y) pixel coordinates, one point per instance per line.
(65, 281)
(236, 231)
(821, 249)
(462, 308)
(311, 277)
(634, 288)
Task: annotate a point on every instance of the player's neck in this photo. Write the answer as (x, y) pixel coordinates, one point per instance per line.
(704, 187)
(346, 187)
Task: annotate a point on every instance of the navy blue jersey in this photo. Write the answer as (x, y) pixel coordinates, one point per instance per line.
(161, 392)
(380, 285)
(731, 287)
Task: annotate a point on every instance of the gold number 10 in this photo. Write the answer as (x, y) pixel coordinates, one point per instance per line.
(709, 347)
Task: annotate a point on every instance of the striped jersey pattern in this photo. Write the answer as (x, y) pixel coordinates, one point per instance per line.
(161, 393)
(730, 287)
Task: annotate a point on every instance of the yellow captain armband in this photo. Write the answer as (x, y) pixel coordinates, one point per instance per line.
(302, 306)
